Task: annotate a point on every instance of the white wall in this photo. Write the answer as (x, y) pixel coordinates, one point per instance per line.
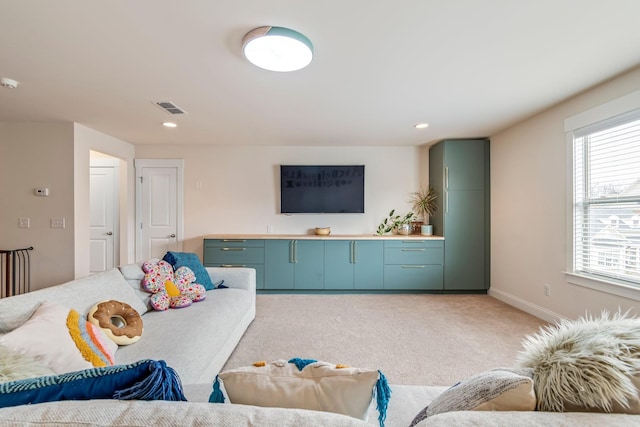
(236, 189)
(38, 155)
(529, 211)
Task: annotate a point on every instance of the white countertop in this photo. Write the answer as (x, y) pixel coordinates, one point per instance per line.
(329, 237)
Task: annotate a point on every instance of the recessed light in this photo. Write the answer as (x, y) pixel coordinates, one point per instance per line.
(169, 125)
(421, 125)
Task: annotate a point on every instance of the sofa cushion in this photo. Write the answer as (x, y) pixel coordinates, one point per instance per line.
(159, 413)
(191, 260)
(62, 340)
(302, 384)
(588, 364)
(80, 294)
(495, 390)
(189, 339)
(134, 274)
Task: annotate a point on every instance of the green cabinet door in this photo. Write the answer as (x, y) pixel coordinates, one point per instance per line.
(465, 241)
(308, 258)
(459, 172)
(278, 264)
(368, 264)
(338, 264)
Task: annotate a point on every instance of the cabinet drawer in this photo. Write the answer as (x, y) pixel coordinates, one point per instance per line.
(414, 243)
(233, 243)
(233, 255)
(413, 277)
(414, 255)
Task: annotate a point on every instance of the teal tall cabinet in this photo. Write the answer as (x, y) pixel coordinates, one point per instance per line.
(459, 172)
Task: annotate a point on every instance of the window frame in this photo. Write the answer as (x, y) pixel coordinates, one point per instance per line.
(587, 119)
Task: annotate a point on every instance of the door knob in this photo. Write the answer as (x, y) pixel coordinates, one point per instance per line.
(109, 233)
(172, 236)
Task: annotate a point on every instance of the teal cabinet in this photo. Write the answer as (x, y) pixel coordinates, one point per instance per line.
(368, 265)
(353, 264)
(230, 253)
(459, 172)
(413, 264)
(294, 264)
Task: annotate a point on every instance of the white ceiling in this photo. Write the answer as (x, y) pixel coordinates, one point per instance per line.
(468, 67)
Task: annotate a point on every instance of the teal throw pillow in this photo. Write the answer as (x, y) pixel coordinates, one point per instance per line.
(191, 260)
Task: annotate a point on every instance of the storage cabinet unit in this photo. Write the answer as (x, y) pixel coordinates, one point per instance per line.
(236, 253)
(334, 264)
(459, 172)
(413, 264)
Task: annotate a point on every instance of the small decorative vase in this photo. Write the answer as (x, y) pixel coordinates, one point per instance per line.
(404, 229)
(426, 230)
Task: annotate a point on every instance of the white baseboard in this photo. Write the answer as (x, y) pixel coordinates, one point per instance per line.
(526, 306)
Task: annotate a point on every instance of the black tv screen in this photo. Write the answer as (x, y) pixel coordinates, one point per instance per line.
(321, 189)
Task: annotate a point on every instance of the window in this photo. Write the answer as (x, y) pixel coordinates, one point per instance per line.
(606, 199)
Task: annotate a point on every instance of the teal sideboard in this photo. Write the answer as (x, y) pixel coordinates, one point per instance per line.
(333, 264)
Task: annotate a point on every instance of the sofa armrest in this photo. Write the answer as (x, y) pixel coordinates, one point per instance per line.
(234, 277)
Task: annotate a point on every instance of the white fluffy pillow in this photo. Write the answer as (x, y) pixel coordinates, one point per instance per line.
(590, 364)
(15, 366)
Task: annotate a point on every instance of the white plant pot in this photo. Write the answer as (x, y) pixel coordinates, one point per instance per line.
(426, 230)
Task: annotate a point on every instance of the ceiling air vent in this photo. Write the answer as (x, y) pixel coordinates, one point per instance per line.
(170, 107)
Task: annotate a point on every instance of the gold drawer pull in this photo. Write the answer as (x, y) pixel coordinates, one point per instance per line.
(234, 249)
(233, 265)
(413, 250)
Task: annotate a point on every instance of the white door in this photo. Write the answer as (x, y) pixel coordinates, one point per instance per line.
(159, 209)
(103, 214)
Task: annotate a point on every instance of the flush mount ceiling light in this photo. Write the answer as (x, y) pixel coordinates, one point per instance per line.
(277, 49)
(421, 125)
(169, 124)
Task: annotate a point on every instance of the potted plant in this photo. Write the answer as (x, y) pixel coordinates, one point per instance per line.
(397, 223)
(424, 204)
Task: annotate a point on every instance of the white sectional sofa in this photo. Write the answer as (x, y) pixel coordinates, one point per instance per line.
(196, 341)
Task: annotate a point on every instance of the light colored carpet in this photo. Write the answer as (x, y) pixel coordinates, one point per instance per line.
(414, 339)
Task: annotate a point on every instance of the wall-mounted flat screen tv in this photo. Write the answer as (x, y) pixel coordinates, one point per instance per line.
(321, 189)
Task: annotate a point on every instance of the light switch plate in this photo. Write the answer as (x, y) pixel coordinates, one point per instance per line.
(24, 222)
(57, 223)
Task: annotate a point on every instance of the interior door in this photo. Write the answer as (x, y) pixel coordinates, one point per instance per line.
(159, 207)
(103, 214)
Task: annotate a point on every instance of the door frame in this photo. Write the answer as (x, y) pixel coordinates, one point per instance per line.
(140, 164)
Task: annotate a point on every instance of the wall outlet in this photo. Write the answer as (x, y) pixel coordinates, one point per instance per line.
(57, 223)
(269, 228)
(24, 222)
(547, 290)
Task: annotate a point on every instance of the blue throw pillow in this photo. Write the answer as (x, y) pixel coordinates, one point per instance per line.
(142, 380)
(187, 259)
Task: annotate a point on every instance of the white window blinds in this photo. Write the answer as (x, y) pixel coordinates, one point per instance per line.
(606, 214)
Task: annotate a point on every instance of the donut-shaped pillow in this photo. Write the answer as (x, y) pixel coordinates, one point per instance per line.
(118, 320)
